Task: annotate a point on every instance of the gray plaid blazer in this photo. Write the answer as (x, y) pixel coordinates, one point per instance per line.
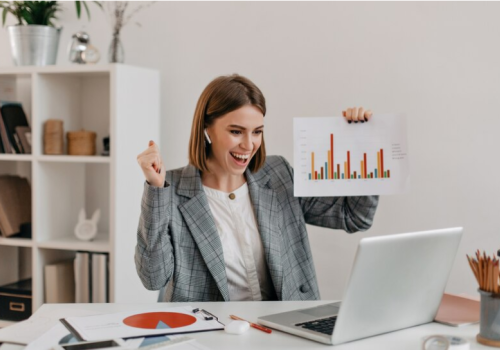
(178, 246)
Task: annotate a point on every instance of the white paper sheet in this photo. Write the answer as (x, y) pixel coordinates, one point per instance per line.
(28, 331)
(57, 335)
(116, 325)
(328, 153)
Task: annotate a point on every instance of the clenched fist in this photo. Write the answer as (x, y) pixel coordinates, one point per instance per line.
(152, 165)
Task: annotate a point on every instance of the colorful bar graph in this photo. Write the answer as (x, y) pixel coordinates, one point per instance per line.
(327, 172)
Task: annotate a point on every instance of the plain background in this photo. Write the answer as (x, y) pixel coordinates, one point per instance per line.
(437, 62)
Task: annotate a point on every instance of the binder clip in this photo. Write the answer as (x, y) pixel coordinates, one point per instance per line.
(206, 315)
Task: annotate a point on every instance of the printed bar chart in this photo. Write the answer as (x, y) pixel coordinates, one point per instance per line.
(334, 158)
(328, 168)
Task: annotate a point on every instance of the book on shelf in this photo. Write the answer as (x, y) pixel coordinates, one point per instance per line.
(82, 277)
(60, 282)
(15, 204)
(5, 146)
(99, 278)
(13, 116)
(91, 277)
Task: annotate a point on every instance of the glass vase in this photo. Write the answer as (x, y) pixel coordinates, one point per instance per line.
(116, 54)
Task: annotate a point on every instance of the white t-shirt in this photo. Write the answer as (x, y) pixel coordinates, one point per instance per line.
(246, 268)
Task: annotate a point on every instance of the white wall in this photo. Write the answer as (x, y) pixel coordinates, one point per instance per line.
(438, 62)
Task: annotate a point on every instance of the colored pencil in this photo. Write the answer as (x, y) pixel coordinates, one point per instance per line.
(486, 270)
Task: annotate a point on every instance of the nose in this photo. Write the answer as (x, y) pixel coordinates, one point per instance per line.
(246, 143)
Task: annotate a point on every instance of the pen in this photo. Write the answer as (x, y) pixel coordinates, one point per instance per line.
(254, 325)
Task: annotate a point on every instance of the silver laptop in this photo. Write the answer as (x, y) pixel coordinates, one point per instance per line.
(397, 282)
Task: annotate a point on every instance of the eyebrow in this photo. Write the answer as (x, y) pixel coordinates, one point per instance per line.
(243, 128)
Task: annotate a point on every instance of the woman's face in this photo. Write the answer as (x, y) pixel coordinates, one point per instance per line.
(235, 137)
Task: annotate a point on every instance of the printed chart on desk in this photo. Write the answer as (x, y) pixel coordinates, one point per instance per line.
(335, 158)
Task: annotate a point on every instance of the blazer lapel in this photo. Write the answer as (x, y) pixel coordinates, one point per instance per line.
(199, 219)
(267, 213)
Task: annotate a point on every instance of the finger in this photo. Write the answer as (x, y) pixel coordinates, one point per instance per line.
(158, 164)
(361, 114)
(148, 162)
(153, 146)
(368, 115)
(344, 113)
(348, 115)
(147, 152)
(160, 167)
(355, 114)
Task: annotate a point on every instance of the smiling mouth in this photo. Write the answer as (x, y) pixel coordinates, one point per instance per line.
(240, 158)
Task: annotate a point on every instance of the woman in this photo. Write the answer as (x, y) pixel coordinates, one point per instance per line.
(227, 226)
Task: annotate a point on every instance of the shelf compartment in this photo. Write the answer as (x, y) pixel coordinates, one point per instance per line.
(99, 244)
(81, 101)
(75, 159)
(69, 187)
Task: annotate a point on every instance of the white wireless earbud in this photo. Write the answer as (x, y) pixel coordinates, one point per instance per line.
(207, 137)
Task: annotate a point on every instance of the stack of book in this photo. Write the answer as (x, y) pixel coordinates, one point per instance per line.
(15, 132)
(83, 280)
(15, 206)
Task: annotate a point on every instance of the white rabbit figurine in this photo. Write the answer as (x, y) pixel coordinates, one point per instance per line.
(86, 229)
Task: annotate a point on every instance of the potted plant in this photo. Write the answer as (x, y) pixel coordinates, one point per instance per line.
(34, 39)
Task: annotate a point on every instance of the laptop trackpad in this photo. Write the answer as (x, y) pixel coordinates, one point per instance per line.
(321, 311)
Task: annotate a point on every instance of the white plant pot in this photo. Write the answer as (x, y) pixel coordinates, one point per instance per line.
(34, 45)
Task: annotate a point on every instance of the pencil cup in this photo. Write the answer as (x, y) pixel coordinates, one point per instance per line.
(489, 322)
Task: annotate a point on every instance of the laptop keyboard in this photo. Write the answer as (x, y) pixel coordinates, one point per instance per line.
(324, 325)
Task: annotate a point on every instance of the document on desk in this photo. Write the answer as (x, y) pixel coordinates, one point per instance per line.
(59, 335)
(25, 332)
(172, 320)
(335, 158)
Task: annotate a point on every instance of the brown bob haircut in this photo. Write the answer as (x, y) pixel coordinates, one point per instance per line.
(223, 95)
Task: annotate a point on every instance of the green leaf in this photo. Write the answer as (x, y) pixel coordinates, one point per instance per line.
(86, 9)
(4, 16)
(78, 5)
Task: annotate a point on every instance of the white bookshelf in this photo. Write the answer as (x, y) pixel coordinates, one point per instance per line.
(119, 101)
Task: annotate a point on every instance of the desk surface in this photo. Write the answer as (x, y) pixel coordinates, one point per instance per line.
(410, 338)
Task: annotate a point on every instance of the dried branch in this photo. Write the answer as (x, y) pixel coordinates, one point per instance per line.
(117, 12)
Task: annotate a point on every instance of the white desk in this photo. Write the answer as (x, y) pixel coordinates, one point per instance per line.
(406, 339)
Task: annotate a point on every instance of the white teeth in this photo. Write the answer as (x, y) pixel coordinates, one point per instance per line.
(241, 156)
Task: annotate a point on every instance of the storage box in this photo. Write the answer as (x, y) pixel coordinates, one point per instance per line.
(15, 300)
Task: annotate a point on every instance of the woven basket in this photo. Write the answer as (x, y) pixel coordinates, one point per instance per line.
(53, 137)
(81, 143)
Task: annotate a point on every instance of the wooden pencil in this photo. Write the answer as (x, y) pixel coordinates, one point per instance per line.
(480, 268)
(495, 277)
(486, 270)
(489, 277)
(473, 268)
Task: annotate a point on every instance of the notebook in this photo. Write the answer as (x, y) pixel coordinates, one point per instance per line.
(456, 310)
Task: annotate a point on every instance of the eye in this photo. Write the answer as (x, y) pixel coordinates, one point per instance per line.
(258, 132)
(235, 132)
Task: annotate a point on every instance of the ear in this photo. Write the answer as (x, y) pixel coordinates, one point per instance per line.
(96, 216)
(82, 216)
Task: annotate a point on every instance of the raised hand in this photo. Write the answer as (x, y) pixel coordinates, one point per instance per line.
(152, 165)
(356, 114)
